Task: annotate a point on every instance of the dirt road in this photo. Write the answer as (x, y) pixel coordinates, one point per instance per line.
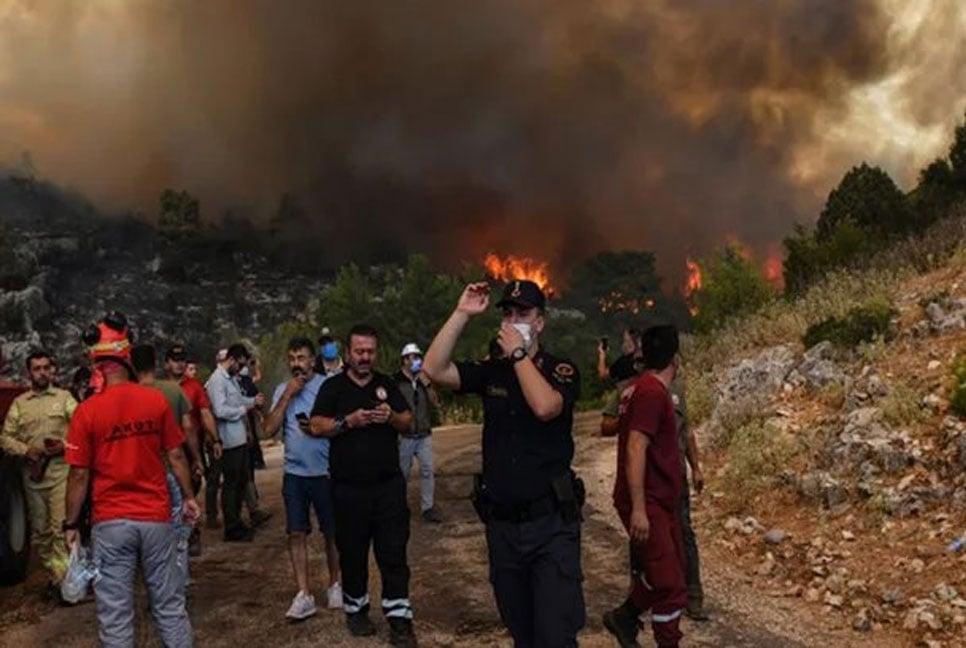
(241, 591)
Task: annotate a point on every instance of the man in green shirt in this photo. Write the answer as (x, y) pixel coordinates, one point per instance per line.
(144, 358)
(35, 428)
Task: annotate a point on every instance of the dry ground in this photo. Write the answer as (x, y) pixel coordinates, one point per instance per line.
(241, 591)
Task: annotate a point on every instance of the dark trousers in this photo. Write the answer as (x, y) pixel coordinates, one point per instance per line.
(373, 514)
(657, 573)
(537, 580)
(692, 566)
(212, 483)
(237, 471)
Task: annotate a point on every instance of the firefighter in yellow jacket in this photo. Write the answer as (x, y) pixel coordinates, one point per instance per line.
(35, 428)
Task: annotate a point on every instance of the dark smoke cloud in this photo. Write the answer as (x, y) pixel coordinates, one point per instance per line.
(552, 128)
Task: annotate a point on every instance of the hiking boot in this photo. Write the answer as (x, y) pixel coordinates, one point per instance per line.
(335, 597)
(359, 624)
(259, 517)
(303, 606)
(401, 633)
(432, 516)
(696, 612)
(623, 625)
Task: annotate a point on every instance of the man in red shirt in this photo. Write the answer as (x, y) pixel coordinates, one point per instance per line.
(115, 445)
(647, 492)
(203, 422)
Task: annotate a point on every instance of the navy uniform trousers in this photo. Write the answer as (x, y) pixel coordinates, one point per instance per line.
(537, 579)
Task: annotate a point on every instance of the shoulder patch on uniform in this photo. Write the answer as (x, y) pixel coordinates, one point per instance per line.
(564, 369)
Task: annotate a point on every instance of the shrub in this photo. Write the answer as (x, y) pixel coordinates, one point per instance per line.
(732, 285)
(700, 397)
(863, 323)
(902, 406)
(957, 400)
(757, 453)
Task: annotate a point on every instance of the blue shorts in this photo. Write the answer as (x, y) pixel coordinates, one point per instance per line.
(299, 494)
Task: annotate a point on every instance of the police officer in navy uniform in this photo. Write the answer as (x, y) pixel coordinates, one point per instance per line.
(528, 497)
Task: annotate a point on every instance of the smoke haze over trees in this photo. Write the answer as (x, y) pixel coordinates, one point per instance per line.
(552, 129)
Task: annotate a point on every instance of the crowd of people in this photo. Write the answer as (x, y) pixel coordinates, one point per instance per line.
(117, 462)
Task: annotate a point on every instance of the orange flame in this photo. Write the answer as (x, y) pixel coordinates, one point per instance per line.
(512, 268)
(693, 283)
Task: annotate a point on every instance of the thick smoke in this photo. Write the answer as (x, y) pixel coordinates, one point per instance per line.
(550, 128)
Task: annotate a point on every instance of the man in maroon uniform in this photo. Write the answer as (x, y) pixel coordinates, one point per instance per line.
(647, 492)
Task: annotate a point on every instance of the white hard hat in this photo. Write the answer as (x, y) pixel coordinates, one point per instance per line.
(411, 349)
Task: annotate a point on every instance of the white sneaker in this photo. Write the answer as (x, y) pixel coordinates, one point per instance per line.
(335, 597)
(303, 606)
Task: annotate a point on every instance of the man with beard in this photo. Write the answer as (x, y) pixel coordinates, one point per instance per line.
(204, 427)
(528, 497)
(363, 413)
(305, 484)
(35, 428)
(230, 408)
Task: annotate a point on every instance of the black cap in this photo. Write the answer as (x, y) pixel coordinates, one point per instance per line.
(660, 344)
(176, 353)
(523, 293)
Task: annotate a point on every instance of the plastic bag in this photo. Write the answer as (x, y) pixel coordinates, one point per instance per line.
(81, 571)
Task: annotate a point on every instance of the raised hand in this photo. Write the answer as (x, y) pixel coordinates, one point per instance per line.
(475, 299)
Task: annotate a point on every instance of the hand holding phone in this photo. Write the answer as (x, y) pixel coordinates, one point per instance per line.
(303, 420)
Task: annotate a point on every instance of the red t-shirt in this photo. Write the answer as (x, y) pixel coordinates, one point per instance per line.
(119, 435)
(198, 397)
(646, 408)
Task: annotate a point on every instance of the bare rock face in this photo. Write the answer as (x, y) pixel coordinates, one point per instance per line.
(54, 284)
(818, 368)
(757, 377)
(945, 315)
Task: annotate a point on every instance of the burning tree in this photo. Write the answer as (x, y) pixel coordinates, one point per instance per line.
(727, 284)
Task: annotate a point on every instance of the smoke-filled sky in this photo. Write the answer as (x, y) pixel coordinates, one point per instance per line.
(554, 128)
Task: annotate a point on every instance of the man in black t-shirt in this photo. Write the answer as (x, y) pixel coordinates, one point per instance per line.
(363, 413)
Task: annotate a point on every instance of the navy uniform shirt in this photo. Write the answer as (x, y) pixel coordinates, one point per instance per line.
(368, 454)
(521, 454)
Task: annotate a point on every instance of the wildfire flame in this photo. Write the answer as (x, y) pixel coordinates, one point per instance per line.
(616, 301)
(511, 268)
(693, 283)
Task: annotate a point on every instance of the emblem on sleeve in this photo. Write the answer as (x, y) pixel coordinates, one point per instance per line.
(564, 370)
(381, 393)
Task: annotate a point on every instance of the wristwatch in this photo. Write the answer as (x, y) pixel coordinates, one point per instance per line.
(340, 425)
(68, 526)
(518, 354)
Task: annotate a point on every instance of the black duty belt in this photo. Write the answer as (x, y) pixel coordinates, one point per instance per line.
(523, 511)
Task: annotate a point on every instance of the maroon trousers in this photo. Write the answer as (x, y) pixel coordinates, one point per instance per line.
(657, 573)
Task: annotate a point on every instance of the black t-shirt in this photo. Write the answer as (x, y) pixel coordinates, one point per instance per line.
(522, 455)
(367, 454)
(626, 366)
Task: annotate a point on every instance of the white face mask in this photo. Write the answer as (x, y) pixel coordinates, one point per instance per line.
(525, 332)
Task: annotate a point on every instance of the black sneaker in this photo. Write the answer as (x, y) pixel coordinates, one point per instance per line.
(360, 625)
(432, 515)
(696, 612)
(623, 626)
(401, 633)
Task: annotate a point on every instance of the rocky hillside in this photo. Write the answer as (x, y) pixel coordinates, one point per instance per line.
(838, 475)
(62, 266)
